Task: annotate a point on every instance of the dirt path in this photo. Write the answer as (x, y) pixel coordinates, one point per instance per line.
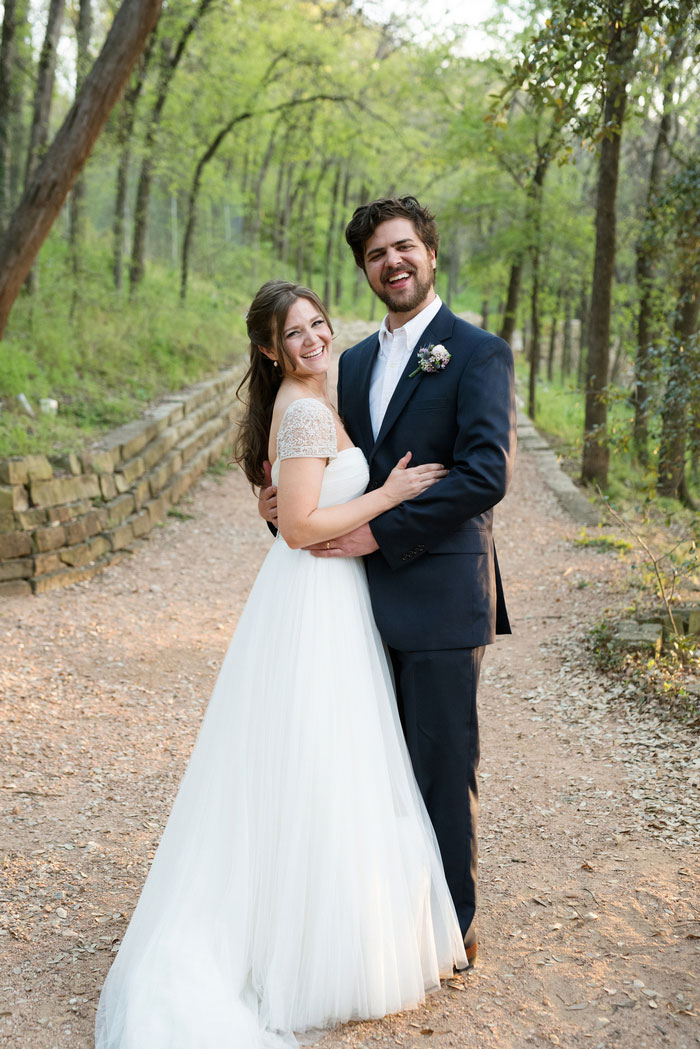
(589, 914)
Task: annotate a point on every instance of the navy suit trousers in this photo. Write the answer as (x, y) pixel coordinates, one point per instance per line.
(436, 695)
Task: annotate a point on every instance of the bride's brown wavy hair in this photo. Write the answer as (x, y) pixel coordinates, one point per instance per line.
(265, 322)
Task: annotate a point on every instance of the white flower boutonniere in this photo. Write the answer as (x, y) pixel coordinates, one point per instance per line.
(432, 359)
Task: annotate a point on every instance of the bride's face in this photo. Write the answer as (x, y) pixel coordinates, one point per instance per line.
(307, 340)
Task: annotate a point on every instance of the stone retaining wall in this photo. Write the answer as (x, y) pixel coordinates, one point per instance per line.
(63, 520)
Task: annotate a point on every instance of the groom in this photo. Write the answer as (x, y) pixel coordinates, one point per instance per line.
(432, 569)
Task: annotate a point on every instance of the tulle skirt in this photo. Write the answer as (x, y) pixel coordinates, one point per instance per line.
(298, 882)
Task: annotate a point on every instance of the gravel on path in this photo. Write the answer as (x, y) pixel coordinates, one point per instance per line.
(589, 918)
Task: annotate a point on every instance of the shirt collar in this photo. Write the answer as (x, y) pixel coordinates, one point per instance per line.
(413, 328)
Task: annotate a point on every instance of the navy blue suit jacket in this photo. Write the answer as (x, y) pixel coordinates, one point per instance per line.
(434, 582)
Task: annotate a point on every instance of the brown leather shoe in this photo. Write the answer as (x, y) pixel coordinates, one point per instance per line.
(471, 952)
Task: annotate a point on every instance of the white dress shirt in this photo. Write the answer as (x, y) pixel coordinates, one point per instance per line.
(395, 348)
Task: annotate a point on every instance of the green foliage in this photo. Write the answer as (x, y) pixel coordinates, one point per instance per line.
(560, 408)
(663, 682)
(600, 541)
(104, 366)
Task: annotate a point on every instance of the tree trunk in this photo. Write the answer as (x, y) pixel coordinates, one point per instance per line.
(288, 204)
(48, 187)
(510, 312)
(340, 246)
(535, 206)
(682, 395)
(174, 253)
(256, 216)
(695, 435)
(8, 51)
(311, 255)
(647, 257)
(302, 228)
(46, 74)
(360, 282)
(683, 363)
(279, 190)
(453, 268)
(534, 336)
(330, 239)
(77, 198)
(124, 137)
(485, 314)
(194, 193)
(294, 195)
(566, 338)
(585, 312)
(168, 67)
(143, 189)
(553, 339)
(17, 138)
(245, 168)
(617, 361)
(596, 455)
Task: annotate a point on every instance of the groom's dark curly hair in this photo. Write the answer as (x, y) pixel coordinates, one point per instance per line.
(366, 218)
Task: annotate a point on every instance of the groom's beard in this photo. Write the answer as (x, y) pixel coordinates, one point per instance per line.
(399, 303)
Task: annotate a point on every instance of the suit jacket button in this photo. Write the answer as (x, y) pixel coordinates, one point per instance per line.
(405, 557)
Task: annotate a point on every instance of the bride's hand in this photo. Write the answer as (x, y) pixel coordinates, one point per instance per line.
(406, 482)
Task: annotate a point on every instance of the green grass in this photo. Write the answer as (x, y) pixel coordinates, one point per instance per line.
(599, 541)
(560, 417)
(111, 359)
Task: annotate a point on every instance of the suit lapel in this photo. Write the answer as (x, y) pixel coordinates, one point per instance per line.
(356, 392)
(438, 331)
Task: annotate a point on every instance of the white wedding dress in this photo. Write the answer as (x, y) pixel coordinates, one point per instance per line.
(298, 882)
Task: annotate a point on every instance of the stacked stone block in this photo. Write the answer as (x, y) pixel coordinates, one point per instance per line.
(64, 519)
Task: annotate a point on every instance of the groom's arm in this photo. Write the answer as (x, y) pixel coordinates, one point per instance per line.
(483, 461)
(267, 500)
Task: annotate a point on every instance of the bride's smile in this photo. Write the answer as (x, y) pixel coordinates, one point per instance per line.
(307, 341)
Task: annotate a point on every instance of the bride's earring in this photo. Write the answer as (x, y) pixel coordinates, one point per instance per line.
(274, 364)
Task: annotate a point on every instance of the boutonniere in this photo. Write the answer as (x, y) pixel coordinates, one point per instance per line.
(432, 359)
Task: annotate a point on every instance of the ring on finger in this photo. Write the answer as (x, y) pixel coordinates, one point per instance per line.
(328, 544)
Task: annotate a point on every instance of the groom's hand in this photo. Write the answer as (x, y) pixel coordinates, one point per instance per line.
(267, 498)
(354, 544)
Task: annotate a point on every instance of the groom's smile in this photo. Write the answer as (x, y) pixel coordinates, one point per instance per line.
(398, 280)
(400, 268)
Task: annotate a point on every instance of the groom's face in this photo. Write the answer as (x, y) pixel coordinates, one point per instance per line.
(399, 267)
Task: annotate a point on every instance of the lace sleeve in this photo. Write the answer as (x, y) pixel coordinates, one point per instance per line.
(307, 430)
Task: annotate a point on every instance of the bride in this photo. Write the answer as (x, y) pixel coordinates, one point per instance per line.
(298, 882)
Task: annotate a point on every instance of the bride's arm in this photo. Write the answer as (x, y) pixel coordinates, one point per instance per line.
(302, 522)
